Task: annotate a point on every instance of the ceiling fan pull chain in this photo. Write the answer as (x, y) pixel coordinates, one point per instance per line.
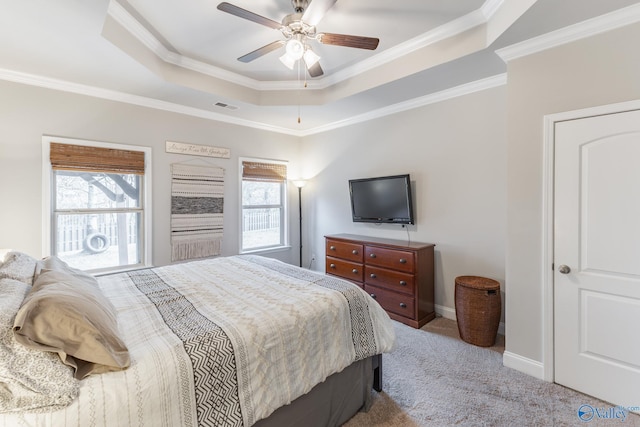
(305, 83)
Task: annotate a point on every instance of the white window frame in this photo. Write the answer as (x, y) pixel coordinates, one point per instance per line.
(48, 195)
(284, 232)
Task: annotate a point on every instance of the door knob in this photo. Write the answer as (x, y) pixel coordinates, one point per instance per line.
(564, 269)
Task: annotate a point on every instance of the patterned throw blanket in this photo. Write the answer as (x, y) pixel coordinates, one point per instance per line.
(222, 342)
(207, 346)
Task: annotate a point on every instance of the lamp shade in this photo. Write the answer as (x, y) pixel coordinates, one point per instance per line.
(295, 49)
(310, 58)
(288, 61)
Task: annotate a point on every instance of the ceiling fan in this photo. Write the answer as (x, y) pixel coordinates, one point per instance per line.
(298, 28)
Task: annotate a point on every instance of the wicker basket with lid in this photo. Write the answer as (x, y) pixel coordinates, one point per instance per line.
(478, 309)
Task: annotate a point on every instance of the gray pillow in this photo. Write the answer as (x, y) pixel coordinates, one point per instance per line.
(65, 312)
(18, 266)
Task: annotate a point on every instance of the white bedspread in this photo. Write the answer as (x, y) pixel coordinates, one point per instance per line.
(222, 342)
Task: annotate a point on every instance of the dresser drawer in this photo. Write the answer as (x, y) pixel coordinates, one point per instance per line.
(394, 302)
(398, 273)
(389, 279)
(344, 250)
(348, 270)
(390, 258)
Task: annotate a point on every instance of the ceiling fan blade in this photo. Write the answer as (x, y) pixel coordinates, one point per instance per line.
(243, 13)
(349, 41)
(261, 51)
(316, 10)
(315, 70)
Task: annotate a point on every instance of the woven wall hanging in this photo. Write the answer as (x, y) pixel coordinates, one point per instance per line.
(197, 202)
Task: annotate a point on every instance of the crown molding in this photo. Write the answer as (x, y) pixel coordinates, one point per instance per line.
(490, 7)
(610, 21)
(127, 98)
(443, 32)
(112, 95)
(124, 18)
(140, 32)
(454, 92)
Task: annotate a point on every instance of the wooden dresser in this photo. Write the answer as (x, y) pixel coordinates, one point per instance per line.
(399, 275)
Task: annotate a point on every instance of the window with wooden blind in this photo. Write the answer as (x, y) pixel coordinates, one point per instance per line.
(98, 209)
(264, 213)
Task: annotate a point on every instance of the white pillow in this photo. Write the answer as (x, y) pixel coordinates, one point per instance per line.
(18, 266)
(3, 253)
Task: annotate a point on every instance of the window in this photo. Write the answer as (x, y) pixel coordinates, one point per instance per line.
(263, 205)
(96, 210)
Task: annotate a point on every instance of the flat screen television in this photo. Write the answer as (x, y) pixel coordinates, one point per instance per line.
(385, 199)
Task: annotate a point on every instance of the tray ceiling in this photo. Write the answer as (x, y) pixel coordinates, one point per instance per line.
(183, 56)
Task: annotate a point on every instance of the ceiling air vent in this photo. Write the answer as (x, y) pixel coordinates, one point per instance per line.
(227, 106)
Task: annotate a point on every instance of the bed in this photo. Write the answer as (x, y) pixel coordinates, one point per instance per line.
(230, 341)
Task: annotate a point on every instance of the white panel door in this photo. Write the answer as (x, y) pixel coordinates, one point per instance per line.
(597, 256)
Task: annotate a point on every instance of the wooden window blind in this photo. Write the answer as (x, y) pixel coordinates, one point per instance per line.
(95, 159)
(258, 171)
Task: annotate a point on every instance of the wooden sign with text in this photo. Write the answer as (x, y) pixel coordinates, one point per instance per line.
(197, 150)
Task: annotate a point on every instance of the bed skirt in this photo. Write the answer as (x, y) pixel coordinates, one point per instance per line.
(334, 401)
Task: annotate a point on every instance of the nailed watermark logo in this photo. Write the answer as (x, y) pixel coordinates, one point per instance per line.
(587, 413)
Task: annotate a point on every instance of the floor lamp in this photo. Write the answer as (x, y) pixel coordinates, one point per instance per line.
(300, 183)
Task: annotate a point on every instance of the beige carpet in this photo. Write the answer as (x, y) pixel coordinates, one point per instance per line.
(433, 378)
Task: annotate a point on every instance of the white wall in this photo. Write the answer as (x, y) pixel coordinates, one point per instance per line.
(599, 70)
(27, 113)
(455, 152)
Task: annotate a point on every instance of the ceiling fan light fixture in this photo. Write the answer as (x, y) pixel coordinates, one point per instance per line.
(288, 61)
(295, 49)
(310, 58)
(297, 28)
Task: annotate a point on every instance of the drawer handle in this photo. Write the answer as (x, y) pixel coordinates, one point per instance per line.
(332, 248)
(332, 266)
(403, 261)
(372, 255)
(373, 276)
(403, 305)
(373, 296)
(354, 271)
(403, 283)
(355, 252)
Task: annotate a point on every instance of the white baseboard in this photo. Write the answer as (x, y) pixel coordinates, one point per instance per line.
(446, 312)
(450, 313)
(510, 360)
(523, 364)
